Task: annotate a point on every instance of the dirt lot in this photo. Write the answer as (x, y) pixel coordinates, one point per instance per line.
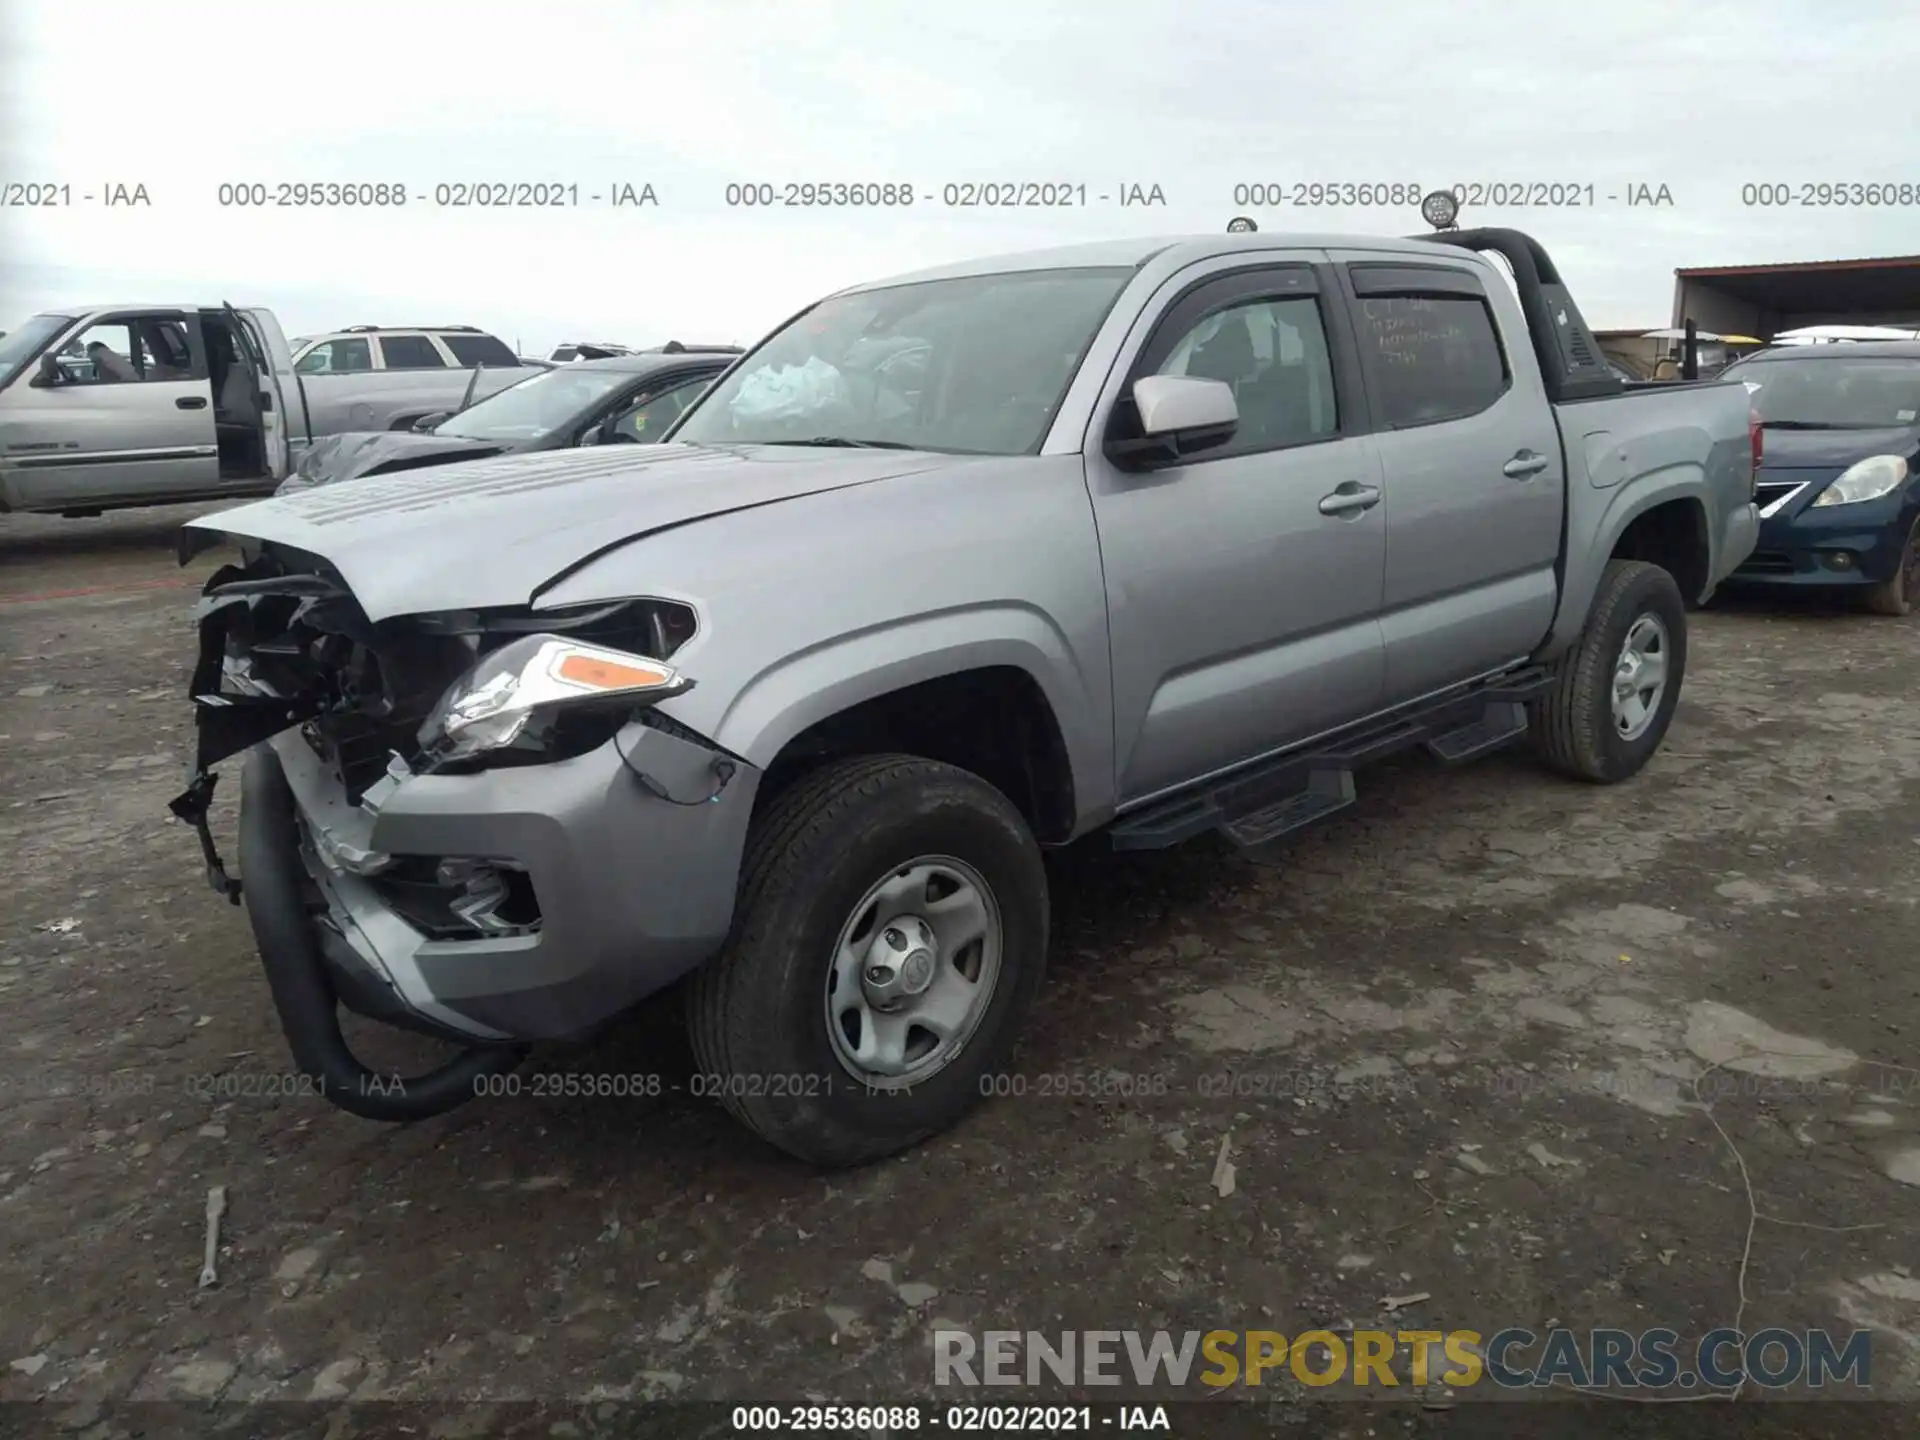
(1453, 1036)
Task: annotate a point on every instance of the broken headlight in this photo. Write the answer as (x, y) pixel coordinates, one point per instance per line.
(543, 697)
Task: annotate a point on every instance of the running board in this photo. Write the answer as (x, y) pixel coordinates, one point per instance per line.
(1276, 797)
(1326, 792)
(1503, 722)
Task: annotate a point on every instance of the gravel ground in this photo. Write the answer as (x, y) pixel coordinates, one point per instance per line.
(1451, 1039)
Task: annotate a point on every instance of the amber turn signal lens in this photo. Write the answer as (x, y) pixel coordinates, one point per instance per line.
(600, 674)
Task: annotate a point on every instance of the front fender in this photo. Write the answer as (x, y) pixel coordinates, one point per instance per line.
(803, 689)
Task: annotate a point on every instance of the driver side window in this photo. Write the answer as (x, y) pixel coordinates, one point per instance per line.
(126, 352)
(1274, 356)
(647, 419)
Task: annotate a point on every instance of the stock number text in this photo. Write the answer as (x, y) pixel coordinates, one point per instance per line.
(1836, 195)
(1358, 194)
(819, 194)
(310, 195)
(861, 1419)
(1075, 1085)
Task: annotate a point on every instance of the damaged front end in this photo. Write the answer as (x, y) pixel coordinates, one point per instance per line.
(375, 879)
(282, 643)
(280, 647)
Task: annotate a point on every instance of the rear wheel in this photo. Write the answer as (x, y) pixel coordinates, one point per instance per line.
(890, 937)
(1614, 693)
(1896, 594)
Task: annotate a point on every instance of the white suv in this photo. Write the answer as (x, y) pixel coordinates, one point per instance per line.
(360, 348)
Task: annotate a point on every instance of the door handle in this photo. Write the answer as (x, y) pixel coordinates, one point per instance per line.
(1524, 466)
(191, 402)
(1350, 499)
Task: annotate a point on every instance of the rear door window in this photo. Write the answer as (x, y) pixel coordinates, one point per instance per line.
(1430, 358)
(410, 352)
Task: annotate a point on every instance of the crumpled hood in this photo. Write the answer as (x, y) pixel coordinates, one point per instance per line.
(1831, 449)
(471, 536)
(344, 457)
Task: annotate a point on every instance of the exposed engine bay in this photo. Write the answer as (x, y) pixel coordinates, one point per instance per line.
(283, 643)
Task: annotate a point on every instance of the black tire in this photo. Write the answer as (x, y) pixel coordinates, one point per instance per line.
(756, 1012)
(1895, 595)
(1572, 727)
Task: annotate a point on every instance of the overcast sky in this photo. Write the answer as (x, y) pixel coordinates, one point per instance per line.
(1193, 97)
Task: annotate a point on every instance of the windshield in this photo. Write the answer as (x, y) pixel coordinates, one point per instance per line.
(17, 347)
(536, 407)
(1829, 392)
(973, 366)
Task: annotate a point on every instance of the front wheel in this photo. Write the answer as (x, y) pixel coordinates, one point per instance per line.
(1614, 693)
(1895, 595)
(890, 936)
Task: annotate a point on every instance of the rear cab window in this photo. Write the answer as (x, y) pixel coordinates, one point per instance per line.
(1429, 345)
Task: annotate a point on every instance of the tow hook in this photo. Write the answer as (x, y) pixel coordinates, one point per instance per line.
(192, 806)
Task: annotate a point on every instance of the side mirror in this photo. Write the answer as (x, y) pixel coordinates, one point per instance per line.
(1180, 415)
(596, 436)
(49, 373)
(426, 424)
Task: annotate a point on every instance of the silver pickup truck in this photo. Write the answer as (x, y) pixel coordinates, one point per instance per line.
(1152, 538)
(104, 407)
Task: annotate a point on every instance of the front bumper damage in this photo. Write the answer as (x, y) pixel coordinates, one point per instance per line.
(491, 908)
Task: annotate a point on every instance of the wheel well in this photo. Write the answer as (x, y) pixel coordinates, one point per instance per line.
(992, 721)
(1673, 536)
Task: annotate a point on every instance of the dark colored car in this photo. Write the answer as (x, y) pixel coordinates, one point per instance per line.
(625, 399)
(1840, 448)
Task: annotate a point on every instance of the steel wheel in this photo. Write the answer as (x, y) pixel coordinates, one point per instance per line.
(1640, 676)
(913, 972)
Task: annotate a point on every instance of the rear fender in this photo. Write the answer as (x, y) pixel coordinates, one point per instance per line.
(1604, 515)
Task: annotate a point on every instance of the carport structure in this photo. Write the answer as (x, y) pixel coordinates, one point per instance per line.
(1762, 300)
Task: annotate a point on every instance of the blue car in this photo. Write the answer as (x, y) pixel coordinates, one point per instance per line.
(1840, 447)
